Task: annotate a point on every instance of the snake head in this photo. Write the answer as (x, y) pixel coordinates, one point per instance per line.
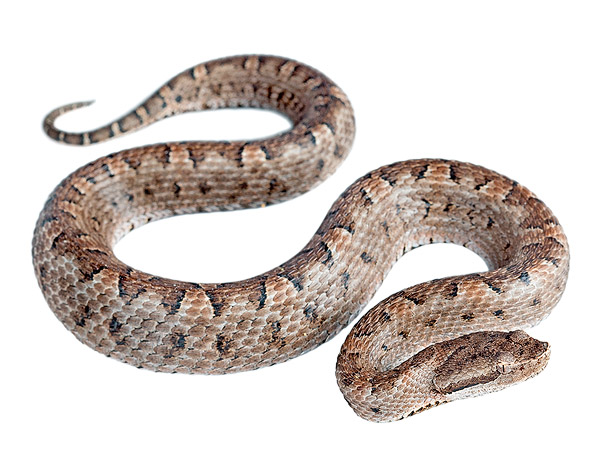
(483, 362)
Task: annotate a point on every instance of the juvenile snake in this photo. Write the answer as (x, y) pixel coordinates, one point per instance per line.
(428, 344)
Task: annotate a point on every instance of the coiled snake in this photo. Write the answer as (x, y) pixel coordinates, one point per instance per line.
(428, 344)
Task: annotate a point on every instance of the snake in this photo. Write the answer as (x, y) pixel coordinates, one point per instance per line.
(428, 344)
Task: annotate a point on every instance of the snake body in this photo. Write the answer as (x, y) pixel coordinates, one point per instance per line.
(428, 344)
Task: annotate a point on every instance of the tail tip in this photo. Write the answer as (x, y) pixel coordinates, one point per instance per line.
(48, 123)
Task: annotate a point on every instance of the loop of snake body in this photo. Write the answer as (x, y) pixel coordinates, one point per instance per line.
(428, 344)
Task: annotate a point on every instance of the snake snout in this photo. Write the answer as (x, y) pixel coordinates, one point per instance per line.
(522, 356)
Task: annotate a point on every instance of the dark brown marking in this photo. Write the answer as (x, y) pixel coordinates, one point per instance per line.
(345, 278)
(386, 228)
(47, 219)
(337, 99)
(309, 312)
(138, 117)
(77, 190)
(362, 332)
(56, 240)
(481, 185)
(179, 341)
(524, 277)
(511, 191)
(388, 178)
(266, 152)
(366, 258)
(552, 260)
(176, 189)
(553, 240)
(215, 302)
(427, 207)
(263, 294)
(410, 297)
(162, 99)
(275, 185)
(276, 326)
(114, 326)
(349, 228)
(106, 168)
(420, 173)
(366, 197)
(86, 315)
(494, 288)
(311, 136)
(222, 344)
(294, 280)
(240, 154)
(167, 156)
(328, 255)
(194, 159)
(132, 162)
(330, 127)
(173, 301)
(338, 151)
(453, 290)
(453, 176)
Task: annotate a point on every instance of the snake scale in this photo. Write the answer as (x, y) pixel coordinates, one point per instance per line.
(428, 344)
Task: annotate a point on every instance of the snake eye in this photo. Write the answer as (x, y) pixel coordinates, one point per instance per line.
(504, 362)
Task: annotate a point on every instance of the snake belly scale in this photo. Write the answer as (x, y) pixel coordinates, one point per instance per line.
(429, 344)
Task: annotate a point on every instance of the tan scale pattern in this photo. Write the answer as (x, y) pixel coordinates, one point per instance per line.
(428, 344)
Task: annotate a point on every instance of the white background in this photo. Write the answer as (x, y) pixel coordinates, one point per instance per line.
(513, 86)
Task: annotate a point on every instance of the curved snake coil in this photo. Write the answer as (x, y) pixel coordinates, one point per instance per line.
(428, 344)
